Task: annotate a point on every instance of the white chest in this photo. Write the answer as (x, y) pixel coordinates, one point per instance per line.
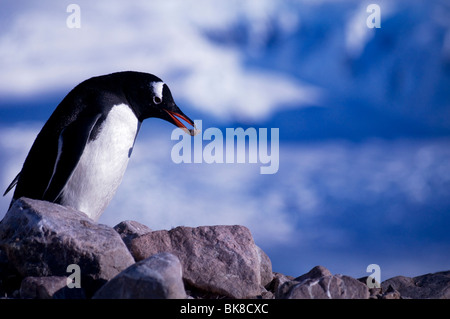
(102, 164)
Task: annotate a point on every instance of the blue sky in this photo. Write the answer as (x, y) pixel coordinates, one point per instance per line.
(363, 114)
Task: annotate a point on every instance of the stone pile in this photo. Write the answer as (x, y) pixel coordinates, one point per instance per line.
(51, 251)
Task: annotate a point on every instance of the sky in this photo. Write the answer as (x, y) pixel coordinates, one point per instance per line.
(363, 117)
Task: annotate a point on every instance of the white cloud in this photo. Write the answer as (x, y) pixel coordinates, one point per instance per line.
(38, 52)
(358, 34)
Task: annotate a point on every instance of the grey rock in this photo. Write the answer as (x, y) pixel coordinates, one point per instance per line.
(43, 239)
(315, 273)
(52, 287)
(222, 260)
(319, 283)
(157, 277)
(41, 287)
(285, 286)
(130, 229)
(10, 279)
(329, 287)
(374, 293)
(266, 294)
(429, 286)
(277, 281)
(391, 293)
(265, 267)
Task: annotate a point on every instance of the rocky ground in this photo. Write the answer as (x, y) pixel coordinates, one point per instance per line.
(50, 251)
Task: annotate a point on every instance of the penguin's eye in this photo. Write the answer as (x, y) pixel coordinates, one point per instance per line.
(157, 100)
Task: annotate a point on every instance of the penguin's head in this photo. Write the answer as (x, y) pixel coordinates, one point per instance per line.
(163, 106)
(151, 97)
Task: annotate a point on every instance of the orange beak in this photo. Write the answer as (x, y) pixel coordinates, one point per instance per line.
(178, 123)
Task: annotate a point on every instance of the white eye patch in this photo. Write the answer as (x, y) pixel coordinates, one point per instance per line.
(157, 88)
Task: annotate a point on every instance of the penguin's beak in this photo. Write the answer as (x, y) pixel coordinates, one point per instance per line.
(174, 120)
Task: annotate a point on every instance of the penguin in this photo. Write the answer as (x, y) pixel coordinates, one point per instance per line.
(80, 155)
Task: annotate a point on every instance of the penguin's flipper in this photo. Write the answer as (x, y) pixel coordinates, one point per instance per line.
(71, 144)
(12, 185)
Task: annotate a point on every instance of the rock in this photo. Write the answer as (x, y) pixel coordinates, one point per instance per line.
(39, 240)
(277, 281)
(429, 286)
(265, 294)
(391, 293)
(374, 293)
(220, 260)
(319, 283)
(265, 267)
(43, 239)
(9, 278)
(157, 277)
(52, 287)
(130, 229)
(315, 273)
(41, 287)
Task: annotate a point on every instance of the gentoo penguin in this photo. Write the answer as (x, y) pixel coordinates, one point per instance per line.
(79, 157)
